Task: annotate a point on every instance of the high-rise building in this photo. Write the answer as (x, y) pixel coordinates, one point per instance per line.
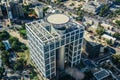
(17, 10)
(1, 14)
(55, 43)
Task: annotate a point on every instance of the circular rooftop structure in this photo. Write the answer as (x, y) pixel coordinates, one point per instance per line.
(58, 19)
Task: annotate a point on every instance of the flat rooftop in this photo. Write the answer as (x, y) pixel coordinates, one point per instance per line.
(101, 74)
(91, 39)
(58, 19)
(53, 27)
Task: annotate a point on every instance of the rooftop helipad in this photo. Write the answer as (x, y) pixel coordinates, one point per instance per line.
(58, 19)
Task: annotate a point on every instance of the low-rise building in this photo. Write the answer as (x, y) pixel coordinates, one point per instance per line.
(91, 45)
(92, 7)
(110, 32)
(101, 74)
(115, 7)
(108, 37)
(107, 26)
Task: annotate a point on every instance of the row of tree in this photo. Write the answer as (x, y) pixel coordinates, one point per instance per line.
(4, 35)
(116, 59)
(17, 45)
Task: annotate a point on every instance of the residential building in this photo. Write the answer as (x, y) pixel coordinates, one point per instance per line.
(108, 37)
(92, 7)
(17, 10)
(55, 43)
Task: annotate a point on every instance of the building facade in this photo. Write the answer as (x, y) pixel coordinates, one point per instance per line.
(17, 10)
(55, 43)
(1, 14)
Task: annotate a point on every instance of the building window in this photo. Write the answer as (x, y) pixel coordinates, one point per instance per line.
(72, 33)
(68, 35)
(46, 55)
(77, 31)
(78, 57)
(78, 61)
(75, 48)
(47, 67)
(79, 52)
(70, 58)
(76, 42)
(80, 41)
(70, 53)
(53, 64)
(62, 42)
(47, 61)
(71, 48)
(47, 73)
(72, 38)
(81, 30)
(52, 53)
(75, 53)
(81, 35)
(53, 75)
(74, 59)
(52, 70)
(52, 59)
(51, 46)
(67, 40)
(66, 49)
(57, 44)
(79, 47)
(76, 36)
(46, 48)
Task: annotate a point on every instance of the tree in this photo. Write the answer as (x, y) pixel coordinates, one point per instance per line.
(23, 47)
(45, 9)
(4, 35)
(100, 31)
(104, 10)
(15, 46)
(20, 64)
(2, 47)
(116, 35)
(80, 14)
(13, 39)
(116, 59)
(117, 1)
(118, 23)
(117, 11)
(59, 1)
(109, 42)
(1, 72)
(5, 57)
(23, 33)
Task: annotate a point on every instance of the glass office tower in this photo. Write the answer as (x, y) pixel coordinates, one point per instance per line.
(55, 42)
